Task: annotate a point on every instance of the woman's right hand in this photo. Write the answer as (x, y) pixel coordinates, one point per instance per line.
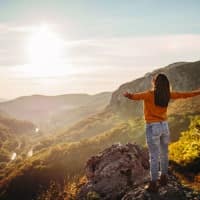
(128, 95)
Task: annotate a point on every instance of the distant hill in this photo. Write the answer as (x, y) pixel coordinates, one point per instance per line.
(15, 126)
(3, 114)
(2, 100)
(52, 112)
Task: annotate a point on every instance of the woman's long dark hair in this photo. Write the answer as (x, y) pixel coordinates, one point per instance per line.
(161, 90)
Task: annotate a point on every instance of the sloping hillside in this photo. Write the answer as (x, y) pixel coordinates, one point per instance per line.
(58, 164)
(53, 112)
(65, 118)
(13, 140)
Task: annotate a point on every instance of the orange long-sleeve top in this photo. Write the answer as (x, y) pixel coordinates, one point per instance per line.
(155, 113)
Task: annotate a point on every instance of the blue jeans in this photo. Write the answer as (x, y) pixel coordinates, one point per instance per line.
(157, 136)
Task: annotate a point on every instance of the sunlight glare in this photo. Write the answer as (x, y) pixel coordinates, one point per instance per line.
(44, 46)
(45, 51)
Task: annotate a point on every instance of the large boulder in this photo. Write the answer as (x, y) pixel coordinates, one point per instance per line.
(111, 173)
(121, 172)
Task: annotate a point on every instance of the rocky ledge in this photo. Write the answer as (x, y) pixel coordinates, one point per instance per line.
(121, 172)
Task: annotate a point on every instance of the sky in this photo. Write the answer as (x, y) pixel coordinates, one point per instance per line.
(90, 46)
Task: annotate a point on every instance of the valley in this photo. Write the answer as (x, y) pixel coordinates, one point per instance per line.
(45, 139)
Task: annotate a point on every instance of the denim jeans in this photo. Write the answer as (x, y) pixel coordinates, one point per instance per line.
(157, 136)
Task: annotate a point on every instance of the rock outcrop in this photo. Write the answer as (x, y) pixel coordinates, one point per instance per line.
(121, 172)
(115, 170)
(172, 191)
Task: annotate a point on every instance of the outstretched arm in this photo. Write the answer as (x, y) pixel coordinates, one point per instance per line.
(180, 95)
(136, 96)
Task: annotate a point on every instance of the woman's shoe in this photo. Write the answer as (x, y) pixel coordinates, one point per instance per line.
(163, 179)
(152, 186)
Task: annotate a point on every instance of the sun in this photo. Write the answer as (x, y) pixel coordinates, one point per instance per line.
(45, 50)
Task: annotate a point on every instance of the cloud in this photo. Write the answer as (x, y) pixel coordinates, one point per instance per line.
(93, 65)
(137, 51)
(132, 51)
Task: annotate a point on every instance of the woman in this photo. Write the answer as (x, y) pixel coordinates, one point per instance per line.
(157, 131)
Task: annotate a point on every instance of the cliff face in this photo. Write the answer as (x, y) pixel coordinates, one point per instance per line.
(182, 76)
(122, 172)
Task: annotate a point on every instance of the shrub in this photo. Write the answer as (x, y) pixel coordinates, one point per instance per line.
(186, 151)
